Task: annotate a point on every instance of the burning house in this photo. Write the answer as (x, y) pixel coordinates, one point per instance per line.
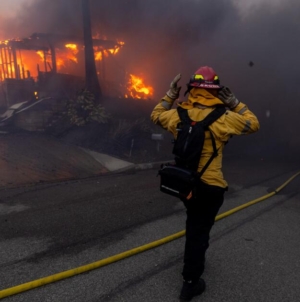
(46, 65)
(41, 75)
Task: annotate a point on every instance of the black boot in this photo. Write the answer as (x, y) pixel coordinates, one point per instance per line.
(191, 289)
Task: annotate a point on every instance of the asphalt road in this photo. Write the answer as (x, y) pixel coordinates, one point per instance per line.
(49, 228)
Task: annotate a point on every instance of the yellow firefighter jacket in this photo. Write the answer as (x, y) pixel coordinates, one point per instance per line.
(239, 121)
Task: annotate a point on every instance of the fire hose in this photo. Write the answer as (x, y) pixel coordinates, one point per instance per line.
(88, 267)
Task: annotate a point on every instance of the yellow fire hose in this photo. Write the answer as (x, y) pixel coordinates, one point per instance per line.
(88, 267)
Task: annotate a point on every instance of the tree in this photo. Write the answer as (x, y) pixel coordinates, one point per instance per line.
(91, 78)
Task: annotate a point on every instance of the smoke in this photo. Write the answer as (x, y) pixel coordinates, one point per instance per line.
(42, 16)
(159, 35)
(166, 37)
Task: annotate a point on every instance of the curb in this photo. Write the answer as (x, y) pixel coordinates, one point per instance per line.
(148, 166)
(140, 167)
(126, 170)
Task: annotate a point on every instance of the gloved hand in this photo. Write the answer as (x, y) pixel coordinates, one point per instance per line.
(174, 91)
(228, 98)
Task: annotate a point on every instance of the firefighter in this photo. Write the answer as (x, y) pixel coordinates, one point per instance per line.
(204, 94)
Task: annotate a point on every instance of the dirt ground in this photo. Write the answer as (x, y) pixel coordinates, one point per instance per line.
(28, 157)
(31, 158)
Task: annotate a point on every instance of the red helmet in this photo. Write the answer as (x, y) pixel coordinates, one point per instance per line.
(205, 77)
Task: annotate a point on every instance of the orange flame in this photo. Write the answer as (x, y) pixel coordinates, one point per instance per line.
(29, 62)
(4, 42)
(41, 54)
(73, 47)
(106, 52)
(137, 89)
(69, 53)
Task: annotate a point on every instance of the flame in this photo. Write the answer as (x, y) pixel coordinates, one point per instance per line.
(100, 53)
(4, 42)
(63, 56)
(73, 51)
(69, 53)
(60, 62)
(41, 54)
(73, 47)
(137, 89)
(29, 62)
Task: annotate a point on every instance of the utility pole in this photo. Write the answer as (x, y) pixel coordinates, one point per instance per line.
(91, 77)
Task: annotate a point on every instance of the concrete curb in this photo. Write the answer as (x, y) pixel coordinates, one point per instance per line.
(133, 168)
(140, 167)
(111, 163)
(154, 165)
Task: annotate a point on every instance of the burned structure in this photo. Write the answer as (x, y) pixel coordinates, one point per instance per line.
(46, 65)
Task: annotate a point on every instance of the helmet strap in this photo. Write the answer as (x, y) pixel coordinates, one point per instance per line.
(189, 88)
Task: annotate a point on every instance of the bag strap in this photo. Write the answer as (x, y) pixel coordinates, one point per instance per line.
(215, 154)
(213, 116)
(209, 119)
(183, 115)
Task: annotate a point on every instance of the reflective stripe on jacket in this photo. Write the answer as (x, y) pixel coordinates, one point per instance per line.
(239, 121)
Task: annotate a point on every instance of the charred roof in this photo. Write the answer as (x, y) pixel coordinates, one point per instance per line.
(44, 41)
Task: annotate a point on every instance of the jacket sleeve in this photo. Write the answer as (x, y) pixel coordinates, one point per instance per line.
(164, 116)
(241, 121)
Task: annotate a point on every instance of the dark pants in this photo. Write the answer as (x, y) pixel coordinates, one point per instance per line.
(201, 212)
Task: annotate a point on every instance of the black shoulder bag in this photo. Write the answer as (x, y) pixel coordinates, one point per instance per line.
(179, 179)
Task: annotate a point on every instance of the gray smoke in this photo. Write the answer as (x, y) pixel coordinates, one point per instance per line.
(166, 37)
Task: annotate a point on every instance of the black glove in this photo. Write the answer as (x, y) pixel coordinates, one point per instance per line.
(228, 98)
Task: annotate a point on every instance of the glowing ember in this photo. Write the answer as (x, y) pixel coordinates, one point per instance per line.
(137, 89)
